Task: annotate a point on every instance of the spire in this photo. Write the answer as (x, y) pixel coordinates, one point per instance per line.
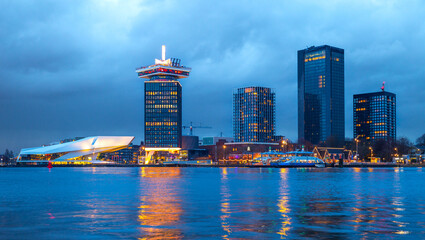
(383, 86)
(163, 52)
(163, 61)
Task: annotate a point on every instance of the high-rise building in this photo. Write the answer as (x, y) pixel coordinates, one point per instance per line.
(253, 114)
(374, 116)
(321, 95)
(163, 102)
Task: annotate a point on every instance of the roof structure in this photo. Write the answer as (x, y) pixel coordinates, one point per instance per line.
(164, 68)
(82, 149)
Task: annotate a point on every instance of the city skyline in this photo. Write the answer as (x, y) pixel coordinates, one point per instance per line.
(59, 83)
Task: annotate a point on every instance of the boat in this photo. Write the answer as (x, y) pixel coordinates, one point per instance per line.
(298, 159)
(267, 157)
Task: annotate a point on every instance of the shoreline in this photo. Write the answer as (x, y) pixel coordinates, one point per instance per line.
(356, 165)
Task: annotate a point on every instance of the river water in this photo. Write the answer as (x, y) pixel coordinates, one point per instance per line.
(211, 203)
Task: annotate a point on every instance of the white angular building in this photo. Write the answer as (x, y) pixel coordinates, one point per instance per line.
(81, 151)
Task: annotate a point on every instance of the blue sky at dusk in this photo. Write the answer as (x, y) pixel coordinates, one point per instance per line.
(67, 68)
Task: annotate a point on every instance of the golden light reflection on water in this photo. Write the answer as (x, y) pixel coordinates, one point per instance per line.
(283, 203)
(160, 208)
(225, 204)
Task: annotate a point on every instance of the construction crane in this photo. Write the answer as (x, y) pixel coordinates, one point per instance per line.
(191, 127)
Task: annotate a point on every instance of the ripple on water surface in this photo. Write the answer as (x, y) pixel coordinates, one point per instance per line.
(227, 203)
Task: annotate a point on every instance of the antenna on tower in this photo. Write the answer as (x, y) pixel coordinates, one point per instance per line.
(163, 52)
(162, 61)
(383, 86)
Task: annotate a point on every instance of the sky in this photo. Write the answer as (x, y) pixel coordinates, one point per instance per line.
(67, 68)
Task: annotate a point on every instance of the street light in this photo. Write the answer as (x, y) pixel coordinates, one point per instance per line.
(357, 147)
(284, 143)
(224, 149)
(371, 152)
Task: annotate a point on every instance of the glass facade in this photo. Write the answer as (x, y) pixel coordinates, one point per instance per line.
(321, 95)
(163, 113)
(253, 114)
(163, 102)
(374, 116)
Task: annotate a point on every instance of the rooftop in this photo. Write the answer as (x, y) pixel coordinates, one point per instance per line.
(165, 67)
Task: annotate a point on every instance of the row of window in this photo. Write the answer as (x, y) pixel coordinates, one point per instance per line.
(154, 93)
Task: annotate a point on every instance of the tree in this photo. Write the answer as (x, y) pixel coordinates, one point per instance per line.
(421, 140)
(8, 156)
(383, 149)
(404, 146)
(364, 151)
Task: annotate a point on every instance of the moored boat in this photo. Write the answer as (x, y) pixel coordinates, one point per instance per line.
(298, 159)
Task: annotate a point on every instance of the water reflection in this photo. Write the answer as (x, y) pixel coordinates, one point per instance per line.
(212, 203)
(225, 204)
(160, 208)
(375, 211)
(247, 208)
(283, 204)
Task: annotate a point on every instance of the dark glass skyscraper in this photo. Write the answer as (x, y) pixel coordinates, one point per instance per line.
(163, 113)
(163, 102)
(321, 95)
(253, 114)
(374, 116)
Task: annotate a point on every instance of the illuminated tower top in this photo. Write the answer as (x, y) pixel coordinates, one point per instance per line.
(164, 69)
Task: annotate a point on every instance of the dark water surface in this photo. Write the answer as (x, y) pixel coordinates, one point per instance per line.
(211, 203)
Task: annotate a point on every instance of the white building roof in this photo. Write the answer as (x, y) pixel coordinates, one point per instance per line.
(82, 147)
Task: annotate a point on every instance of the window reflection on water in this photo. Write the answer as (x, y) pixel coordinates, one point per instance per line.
(283, 203)
(160, 208)
(225, 204)
(212, 203)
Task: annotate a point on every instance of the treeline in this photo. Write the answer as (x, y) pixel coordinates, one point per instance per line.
(7, 157)
(387, 149)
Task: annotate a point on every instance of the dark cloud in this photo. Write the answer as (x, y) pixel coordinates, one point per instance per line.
(67, 68)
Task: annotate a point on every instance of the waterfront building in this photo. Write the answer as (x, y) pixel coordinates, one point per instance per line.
(333, 155)
(374, 116)
(253, 114)
(245, 152)
(128, 155)
(216, 147)
(82, 151)
(321, 95)
(279, 138)
(213, 140)
(163, 102)
(190, 142)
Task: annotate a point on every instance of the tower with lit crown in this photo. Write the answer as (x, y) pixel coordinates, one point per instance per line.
(374, 116)
(321, 116)
(163, 103)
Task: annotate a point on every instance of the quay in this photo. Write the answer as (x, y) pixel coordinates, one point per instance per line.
(351, 165)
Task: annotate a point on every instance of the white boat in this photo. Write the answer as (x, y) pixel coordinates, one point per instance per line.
(298, 159)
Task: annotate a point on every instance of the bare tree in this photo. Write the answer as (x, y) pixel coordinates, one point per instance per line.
(403, 146)
(421, 140)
